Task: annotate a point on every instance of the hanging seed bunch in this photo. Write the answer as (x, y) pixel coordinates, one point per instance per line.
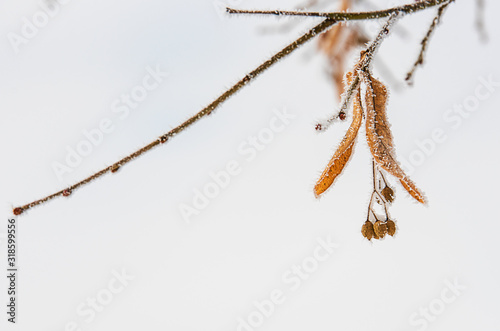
(370, 103)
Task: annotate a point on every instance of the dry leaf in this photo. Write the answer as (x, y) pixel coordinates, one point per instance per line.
(344, 151)
(337, 43)
(412, 189)
(379, 135)
(329, 40)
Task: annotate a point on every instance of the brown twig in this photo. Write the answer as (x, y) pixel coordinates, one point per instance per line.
(425, 41)
(347, 16)
(325, 24)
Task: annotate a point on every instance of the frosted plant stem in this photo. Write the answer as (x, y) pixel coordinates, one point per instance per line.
(426, 40)
(324, 25)
(376, 173)
(362, 65)
(347, 16)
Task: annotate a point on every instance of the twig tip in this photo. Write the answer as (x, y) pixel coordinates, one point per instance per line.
(18, 211)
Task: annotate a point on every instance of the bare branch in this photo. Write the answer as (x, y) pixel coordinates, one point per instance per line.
(330, 20)
(425, 42)
(324, 25)
(347, 16)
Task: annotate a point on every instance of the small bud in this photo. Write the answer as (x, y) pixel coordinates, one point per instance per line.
(319, 127)
(388, 194)
(342, 116)
(18, 211)
(380, 229)
(391, 227)
(115, 168)
(66, 193)
(367, 230)
(163, 139)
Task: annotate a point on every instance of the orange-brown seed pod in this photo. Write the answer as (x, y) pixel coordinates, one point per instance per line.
(367, 230)
(391, 227)
(388, 194)
(380, 229)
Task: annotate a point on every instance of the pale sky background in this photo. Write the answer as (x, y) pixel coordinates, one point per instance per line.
(207, 274)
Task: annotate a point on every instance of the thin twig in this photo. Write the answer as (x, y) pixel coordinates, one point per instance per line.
(347, 16)
(287, 26)
(370, 209)
(383, 178)
(425, 42)
(376, 191)
(400, 30)
(374, 174)
(324, 25)
(321, 27)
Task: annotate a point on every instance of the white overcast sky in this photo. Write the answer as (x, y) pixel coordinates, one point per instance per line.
(241, 249)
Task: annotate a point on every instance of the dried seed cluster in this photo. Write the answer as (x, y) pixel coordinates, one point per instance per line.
(370, 103)
(378, 230)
